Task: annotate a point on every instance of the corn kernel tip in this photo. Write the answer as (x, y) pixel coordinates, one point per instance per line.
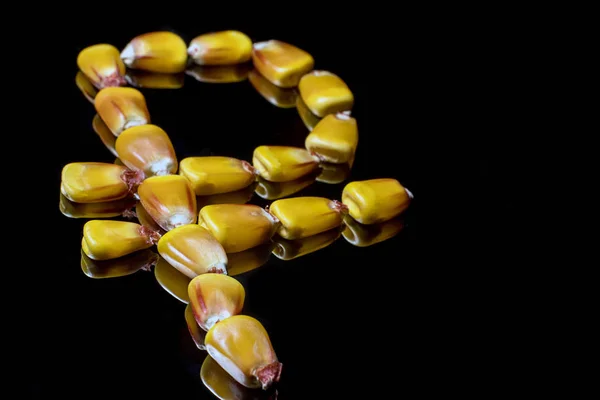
(269, 374)
(339, 207)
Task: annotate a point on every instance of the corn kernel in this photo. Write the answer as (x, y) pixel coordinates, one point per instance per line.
(375, 200)
(281, 63)
(220, 73)
(86, 86)
(102, 65)
(242, 347)
(248, 260)
(301, 217)
(310, 120)
(334, 173)
(147, 148)
(192, 250)
(214, 174)
(238, 227)
(214, 298)
(224, 387)
(361, 235)
(107, 209)
(334, 139)
(146, 220)
(278, 190)
(105, 240)
(221, 48)
(196, 333)
(155, 80)
(241, 196)
(325, 93)
(283, 163)
(118, 267)
(279, 97)
(121, 108)
(119, 162)
(163, 52)
(169, 200)
(291, 249)
(105, 135)
(174, 282)
(94, 182)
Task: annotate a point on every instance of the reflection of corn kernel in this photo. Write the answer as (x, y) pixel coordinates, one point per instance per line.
(361, 235)
(290, 249)
(215, 174)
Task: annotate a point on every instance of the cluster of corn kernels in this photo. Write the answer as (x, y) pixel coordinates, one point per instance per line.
(195, 210)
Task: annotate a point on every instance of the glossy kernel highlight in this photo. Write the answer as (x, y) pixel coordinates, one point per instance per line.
(162, 52)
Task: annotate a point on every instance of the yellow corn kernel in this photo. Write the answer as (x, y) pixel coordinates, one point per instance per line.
(214, 174)
(375, 200)
(95, 182)
(220, 73)
(290, 249)
(221, 48)
(325, 93)
(105, 240)
(281, 63)
(86, 86)
(105, 135)
(102, 65)
(147, 148)
(361, 235)
(121, 108)
(224, 387)
(155, 80)
(163, 52)
(248, 260)
(278, 190)
(238, 227)
(122, 266)
(174, 282)
(242, 347)
(146, 220)
(196, 333)
(192, 250)
(283, 163)
(241, 196)
(301, 217)
(310, 120)
(214, 298)
(107, 209)
(279, 97)
(334, 139)
(334, 173)
(169, 200)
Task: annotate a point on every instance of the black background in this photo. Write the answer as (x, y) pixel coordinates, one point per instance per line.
(396, 318)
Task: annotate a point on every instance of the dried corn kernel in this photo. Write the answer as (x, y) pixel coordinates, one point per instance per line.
(102, 65)
(86, 86)
(334, 139)
(214, 298)
(145, 219)
(221, 48)
(375, 200)
(121, 108)
(155, 80)
(290, 249)
(242, 347)
(281, 63)
(214, 174)
(169, 200)
(361, 235)
(107, 209)
(283, 163)
(248, 260)
(220, 73)
(174, 282)
(301, 217)
(310, 120)
(278, 190)
(163, 52)
(105, 135)
(241, 196)
(279, 97)
(94, 182)
(122, 266)
(325, 93)
(147, 148)
(105, 240)
(334, 173)
(238, 227)
(192, 250)
(196, 333)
